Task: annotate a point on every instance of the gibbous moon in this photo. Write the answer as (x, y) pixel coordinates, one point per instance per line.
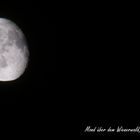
(14, 53)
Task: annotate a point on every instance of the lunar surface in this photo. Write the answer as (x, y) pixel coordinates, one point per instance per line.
(14, 53)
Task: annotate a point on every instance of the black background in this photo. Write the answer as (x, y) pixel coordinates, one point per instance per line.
(109, 71)
(38, 25)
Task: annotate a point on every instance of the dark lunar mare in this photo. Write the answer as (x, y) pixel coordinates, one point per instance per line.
(26, 53)
(3, 62)
(12, 35)
(21, 43)
(17, 37)
(20, 40)
(2, 35)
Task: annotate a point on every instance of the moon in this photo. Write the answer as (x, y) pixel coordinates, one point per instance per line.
(14, 52)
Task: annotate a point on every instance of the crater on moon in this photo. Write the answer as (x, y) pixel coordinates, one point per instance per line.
(14, 51)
